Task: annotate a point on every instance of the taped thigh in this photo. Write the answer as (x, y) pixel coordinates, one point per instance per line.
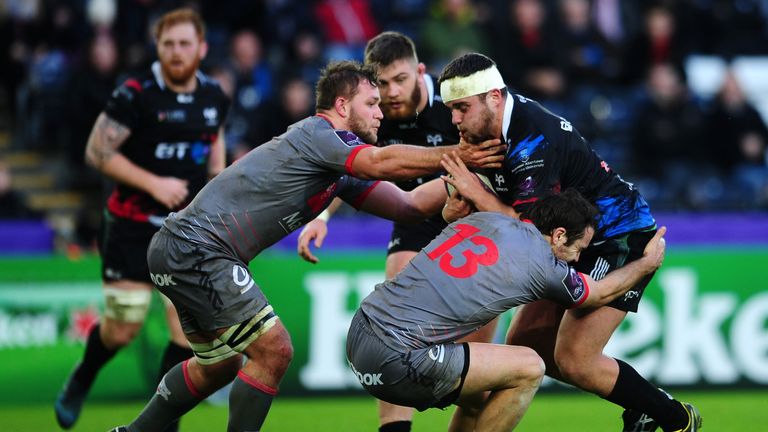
(126, 305)
(236, 339)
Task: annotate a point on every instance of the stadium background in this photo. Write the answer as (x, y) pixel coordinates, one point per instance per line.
(673, 94)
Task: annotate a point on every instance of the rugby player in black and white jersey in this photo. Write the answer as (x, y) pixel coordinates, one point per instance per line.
(415, 114)
(199, 258)
(545, 155)
(159, 139)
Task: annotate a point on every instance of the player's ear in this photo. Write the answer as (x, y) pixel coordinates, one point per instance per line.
(421, 69)
(559, 236)
(340, 104)
(203, 49)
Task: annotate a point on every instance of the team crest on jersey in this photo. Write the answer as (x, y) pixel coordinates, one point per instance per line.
(172, 116)
(211, 115)
(184, 98)
(434, 139)
(574, 284)
(348, 138)
(527, 186)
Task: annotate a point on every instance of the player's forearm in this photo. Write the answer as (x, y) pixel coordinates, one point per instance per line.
(218, 157)
(398, 162)
(122, 170)
(617, 282)
(326, 214)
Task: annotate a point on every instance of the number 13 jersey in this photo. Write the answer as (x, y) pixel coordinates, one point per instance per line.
(477, 268)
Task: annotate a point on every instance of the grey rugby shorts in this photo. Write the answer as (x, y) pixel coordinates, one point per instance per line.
(430, 377)
(210, 289)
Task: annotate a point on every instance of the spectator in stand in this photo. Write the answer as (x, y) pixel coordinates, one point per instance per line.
(90, 87)
(450, 30)
(667, 138)
(347, 25)
(527, 50)
(254, 85)
(306, 58)
(588, 57)
(658, 42)
(737, 138)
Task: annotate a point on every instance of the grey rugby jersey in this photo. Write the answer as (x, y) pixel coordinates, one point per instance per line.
(477, 268)
(273, 190)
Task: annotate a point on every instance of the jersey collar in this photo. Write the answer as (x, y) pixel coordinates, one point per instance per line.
(509, 105)
(430, 85)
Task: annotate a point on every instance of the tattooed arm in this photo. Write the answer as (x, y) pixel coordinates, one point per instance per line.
(102, 152)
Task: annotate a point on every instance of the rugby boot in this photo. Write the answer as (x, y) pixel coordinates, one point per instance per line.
(635, 421)
(694, 419)
(69, 402)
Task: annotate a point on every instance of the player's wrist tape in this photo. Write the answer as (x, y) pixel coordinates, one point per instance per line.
(479, 82)
(324, 216)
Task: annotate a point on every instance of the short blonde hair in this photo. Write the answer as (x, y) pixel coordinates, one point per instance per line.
(180, 16)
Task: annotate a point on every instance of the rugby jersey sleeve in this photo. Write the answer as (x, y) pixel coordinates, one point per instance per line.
(335, 149)
(354, 191)
(123, 105)
(564, 284)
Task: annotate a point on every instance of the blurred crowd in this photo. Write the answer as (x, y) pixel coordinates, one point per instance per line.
(615, 68)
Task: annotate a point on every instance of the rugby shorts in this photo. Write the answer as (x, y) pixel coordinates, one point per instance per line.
(210, 288)
(598, 259)
(430, 377)
(414, 237)
(123, 248)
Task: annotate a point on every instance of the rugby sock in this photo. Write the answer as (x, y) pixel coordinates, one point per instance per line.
(174, 397)
(173, 355)
(95, 357)
(398, 426)
(633, 391)
(249, 402)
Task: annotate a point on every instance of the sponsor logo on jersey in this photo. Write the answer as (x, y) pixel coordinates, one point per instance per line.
(522, 98)
(565, 125)
(185, 98)
(369, 379)
(211, 115)
(242, 278)
(434, 139)
(198, 151)
(172, 116)
(574, 285)
(349, 138)
(162, 279)
(527, 186)
(292, 222)
(520, 156)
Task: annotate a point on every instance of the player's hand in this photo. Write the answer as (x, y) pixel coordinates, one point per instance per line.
(654, 250)
(487, 154)
(170, 191)
(316, 229)
(465, 181)
(456, 207)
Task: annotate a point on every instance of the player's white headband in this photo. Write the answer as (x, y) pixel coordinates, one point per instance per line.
(479, 82)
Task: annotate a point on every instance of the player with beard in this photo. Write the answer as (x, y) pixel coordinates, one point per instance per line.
(546, 154)
(159, 139)
(413, 113)
(200, 257)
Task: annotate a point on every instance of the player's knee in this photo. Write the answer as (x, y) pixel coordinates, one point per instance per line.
(126, 306)
(117, 334)
(280, 353)
(534, 367)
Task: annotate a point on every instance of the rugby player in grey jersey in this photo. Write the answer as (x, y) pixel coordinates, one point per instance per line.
(400, 343)
(199, 258)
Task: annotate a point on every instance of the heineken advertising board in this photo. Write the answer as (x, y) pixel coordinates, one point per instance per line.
(703, 322)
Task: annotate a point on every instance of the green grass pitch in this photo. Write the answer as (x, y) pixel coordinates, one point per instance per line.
(722, 412)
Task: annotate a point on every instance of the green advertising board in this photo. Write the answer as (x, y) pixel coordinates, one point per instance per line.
(703, 322)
